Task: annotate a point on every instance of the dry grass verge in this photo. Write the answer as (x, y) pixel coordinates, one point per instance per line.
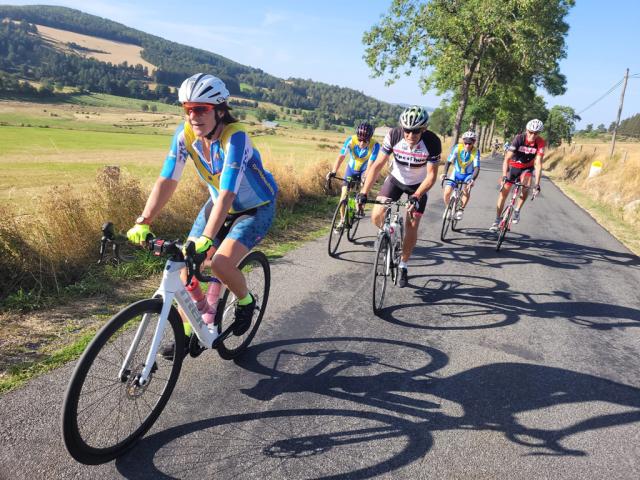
(612, 197)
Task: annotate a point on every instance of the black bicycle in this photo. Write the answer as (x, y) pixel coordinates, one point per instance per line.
(454, 205)
(347, 208)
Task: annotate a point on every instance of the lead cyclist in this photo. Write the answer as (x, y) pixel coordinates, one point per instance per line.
(416, 153)
(239, 186)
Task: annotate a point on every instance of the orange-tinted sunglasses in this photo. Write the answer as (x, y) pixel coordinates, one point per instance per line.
(197, 108)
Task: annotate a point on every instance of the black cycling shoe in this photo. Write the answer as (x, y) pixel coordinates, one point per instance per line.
(403, 279)
(244, 315)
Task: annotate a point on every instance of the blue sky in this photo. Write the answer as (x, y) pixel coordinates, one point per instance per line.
(323, 41)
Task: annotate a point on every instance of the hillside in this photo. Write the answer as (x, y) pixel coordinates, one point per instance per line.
(30, 52)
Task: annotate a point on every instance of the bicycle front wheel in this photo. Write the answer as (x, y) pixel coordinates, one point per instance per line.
(448, 215)
(103, 413)
(256, 270)
(353, 228)
(335, 234)
(382, 267)
(504, 227)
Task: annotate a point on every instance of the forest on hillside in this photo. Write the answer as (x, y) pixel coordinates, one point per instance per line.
(25, 56)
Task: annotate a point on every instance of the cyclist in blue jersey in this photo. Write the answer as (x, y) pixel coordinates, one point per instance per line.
(466, 168)
(362, 150)
(241, 207)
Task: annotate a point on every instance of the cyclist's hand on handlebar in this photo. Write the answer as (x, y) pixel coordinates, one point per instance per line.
(414, 203)
(361, 199)
(202, 244)
(330, 175)
(536, 190)
(443, 177)
(138, 233)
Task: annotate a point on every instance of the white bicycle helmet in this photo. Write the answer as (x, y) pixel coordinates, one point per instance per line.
(414, 117)
(535, 125)
(469, 135)
(203, 88)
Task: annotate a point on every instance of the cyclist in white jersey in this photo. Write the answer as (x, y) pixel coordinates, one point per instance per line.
(416, 153)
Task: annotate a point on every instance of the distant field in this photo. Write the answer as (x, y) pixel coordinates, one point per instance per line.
(94, 47)
(71, 143)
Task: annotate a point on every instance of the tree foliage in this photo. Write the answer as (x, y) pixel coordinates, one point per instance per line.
(560, 125)
(456, 43)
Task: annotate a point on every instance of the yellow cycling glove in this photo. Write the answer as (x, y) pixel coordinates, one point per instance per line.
(138, 233)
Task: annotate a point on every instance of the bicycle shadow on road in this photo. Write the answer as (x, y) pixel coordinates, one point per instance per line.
(399, 408)
(492, 397)
(278, 444)
(522, 248)
(454, 300)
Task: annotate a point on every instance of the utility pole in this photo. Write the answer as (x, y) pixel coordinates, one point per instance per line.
(615, 129)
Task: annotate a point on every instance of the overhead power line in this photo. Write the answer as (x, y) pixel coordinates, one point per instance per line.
(602, 96)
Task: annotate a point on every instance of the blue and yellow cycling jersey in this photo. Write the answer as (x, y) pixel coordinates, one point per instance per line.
(464, 162)
(235, 166)
(360, 158)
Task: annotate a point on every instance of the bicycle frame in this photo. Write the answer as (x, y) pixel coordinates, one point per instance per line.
(171, 288)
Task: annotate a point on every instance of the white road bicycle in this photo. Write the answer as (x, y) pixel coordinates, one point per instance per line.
(121, 382)
(389, 244)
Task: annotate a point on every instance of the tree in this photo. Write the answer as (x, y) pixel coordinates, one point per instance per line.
(500, 40)
(440, 121)
(560, 125)
(588, 128)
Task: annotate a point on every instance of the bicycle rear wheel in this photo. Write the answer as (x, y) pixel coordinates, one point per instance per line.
(256, 270)
(446, 221)
(504, 226)
(103, 415)
(381, 271)
(335, 234)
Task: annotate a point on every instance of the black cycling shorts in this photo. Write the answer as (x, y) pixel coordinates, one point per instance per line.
(516, 173)
(393, 190)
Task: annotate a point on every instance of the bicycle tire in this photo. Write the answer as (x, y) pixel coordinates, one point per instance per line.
(257, 272)
(456, 207)
(353, 227)
(106, 353)
(446, 221)
(333, 235)
(502, 233)
(380, 272)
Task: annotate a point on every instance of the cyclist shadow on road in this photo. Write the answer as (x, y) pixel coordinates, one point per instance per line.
(370, 414)
(492, 397)
(521, 248)
(467, 302)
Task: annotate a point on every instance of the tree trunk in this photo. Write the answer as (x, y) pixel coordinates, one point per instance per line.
(493, 125)
(464, 96)
(480, 131)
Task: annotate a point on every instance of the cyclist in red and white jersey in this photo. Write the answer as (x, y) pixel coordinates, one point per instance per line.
(523, 158)
(416, 153)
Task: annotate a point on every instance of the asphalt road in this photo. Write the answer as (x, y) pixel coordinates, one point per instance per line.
(521, 364)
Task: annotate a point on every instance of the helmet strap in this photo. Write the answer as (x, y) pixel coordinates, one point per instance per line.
(215, 126)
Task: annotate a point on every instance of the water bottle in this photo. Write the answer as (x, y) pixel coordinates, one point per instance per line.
(196, 295)
(213, 293)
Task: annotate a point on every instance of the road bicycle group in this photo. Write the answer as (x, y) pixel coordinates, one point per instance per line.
(416, 153)
(124, 378)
